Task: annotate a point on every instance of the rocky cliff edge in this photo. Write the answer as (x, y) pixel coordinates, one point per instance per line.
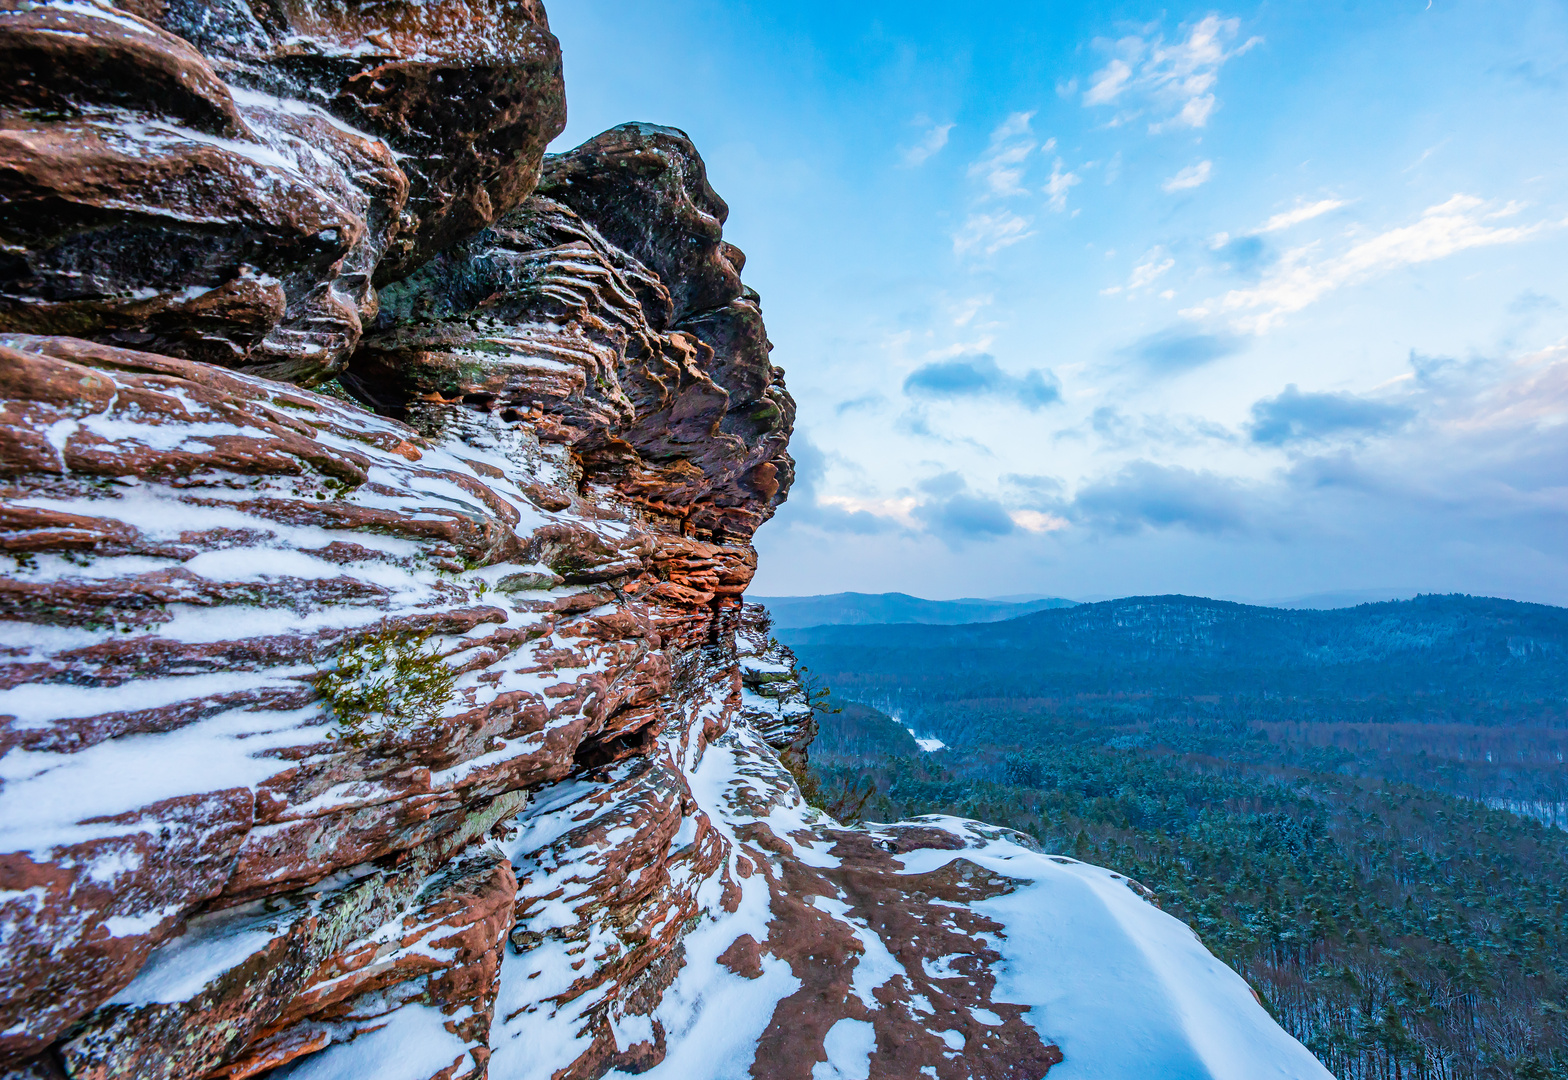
(377, 494)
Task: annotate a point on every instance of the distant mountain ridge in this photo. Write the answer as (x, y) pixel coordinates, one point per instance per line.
(1186, 645)
(865, 609)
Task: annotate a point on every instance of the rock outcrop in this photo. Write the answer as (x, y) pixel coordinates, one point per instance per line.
(378, 699)
(227, 182)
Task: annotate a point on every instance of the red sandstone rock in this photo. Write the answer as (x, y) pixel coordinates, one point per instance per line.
(231, 493)
(645, 189)
(540, 317)
(773, 702)
(242, 218)
(469, 93)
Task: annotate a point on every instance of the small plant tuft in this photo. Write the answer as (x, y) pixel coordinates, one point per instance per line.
(385, 685)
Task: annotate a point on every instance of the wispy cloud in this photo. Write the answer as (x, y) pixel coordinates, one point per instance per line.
(1304, 212)
(1000, 172)
(964, 311)
(1001, 167)
(1302, 276)
(1173, 80)
(1524, 394)
(898, 509)
(929, 146)
(1180, 348)
(1153, 433)
(1146, 495)
(1038, 521)
(1531, 301)
(1190, 177)
(864, 401)
(831, 512)
(1110, 82)
(1058, 186)
(1249, 254)
(964, 517)
(990, 232)
(1154, 265)
(943, 506)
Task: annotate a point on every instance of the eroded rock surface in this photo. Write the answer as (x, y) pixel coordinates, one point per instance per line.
(412, 726)
(227, 182)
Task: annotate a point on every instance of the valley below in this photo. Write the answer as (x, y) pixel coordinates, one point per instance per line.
(1354, 808)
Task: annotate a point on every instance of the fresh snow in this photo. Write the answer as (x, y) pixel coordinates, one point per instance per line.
(876, 966)
(929, 745)
(849, 1045)
(414, 1044)
(1123, 988)
(213, 944)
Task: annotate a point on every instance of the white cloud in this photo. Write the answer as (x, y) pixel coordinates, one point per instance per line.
(1194, 114)
(1058, 185)
(1036, 521)
(899, 510)
(1154, 265)
(1304, 212)
(933, 142)
(1530, 392)
(980, 344)
(1173, 80)
(1016, 124)
(1000, 171)
(1109, 83)
(965, 311)
(1001, 168)
(1301, 278)
(1190, 177)
(990, 232)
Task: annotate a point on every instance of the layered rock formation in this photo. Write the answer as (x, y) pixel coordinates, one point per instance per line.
(378, 699)
(225, 181)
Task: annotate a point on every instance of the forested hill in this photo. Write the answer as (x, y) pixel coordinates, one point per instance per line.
(1475, 648)
(863, 608)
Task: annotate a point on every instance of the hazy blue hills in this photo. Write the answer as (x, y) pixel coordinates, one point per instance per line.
(1476, 647)
(860, 609)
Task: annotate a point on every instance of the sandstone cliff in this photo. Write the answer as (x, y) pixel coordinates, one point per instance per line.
(378, 699)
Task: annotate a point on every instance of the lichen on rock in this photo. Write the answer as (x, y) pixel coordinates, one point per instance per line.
(384, 684)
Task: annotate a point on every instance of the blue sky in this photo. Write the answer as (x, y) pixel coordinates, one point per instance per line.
(1253, 301)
